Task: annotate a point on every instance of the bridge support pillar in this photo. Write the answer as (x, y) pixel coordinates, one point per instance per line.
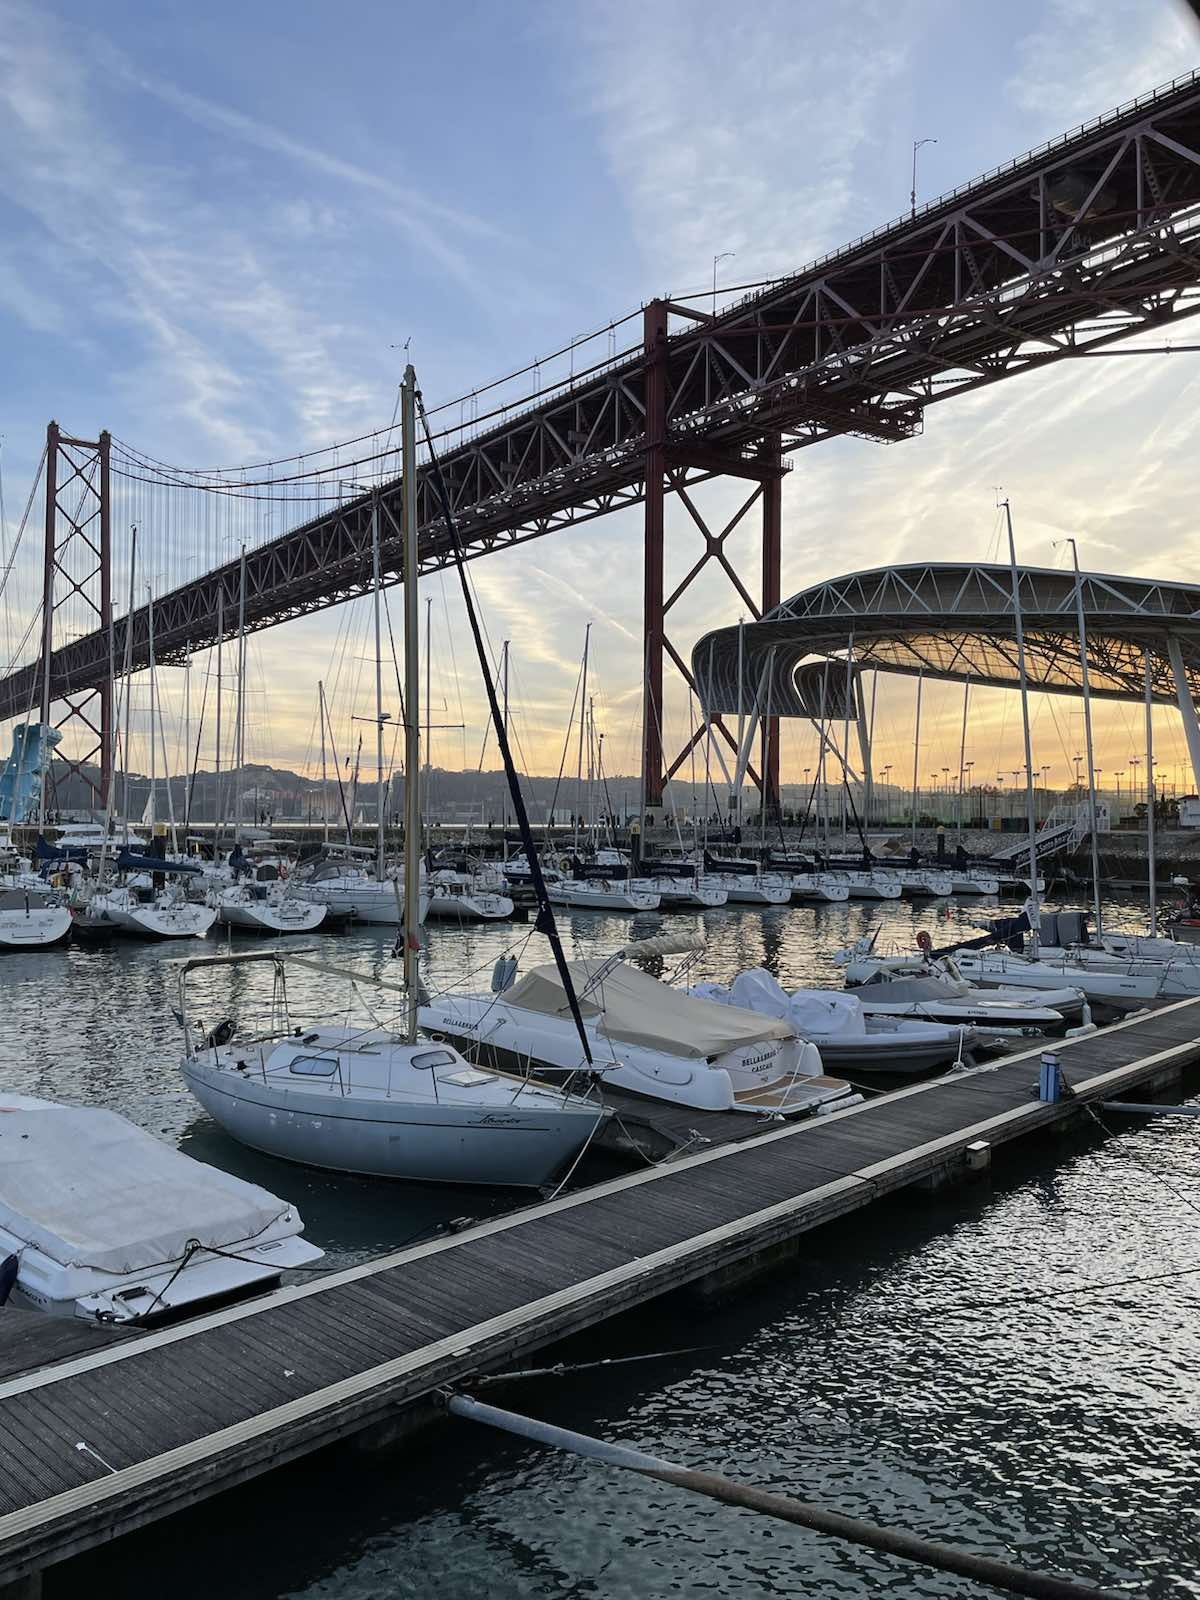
(77, 583)
(655, 334)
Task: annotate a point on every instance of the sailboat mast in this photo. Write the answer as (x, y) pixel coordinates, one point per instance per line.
(1031, 814)
(217, 735)
(127, 674)
(324, 778)
(916, 755)
(962, 751)
(187, 736)
(1151, 863)
(587, 639)
(377, 584)
(504, 719)
(428, 693)
(151, 806)
(412, 677)
(239, 735)
(1087, 731)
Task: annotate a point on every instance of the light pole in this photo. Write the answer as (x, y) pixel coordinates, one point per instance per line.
(886, 776)
(1134, 763)
(917, 143)
(725, 255)
(1120, 775)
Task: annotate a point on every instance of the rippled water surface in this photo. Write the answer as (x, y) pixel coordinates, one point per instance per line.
(913, 1367)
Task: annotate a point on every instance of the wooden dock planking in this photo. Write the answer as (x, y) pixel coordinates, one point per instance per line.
(193, 1409)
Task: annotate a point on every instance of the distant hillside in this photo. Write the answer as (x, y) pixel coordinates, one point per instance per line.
(283, 795)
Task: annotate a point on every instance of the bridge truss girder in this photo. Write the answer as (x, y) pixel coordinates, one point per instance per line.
(1053, 257)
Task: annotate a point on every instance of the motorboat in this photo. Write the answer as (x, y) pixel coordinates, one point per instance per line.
(834, 1021)
(365, 1100)
(108, 1223)
(862, 967)
(32, 919)
(647, 1037)
(144, 913)
(1121, 988)
(995, 1014)
(257, 907)
(467, 896)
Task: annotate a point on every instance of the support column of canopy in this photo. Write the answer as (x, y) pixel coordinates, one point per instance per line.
(772, 545)
(1187, 708)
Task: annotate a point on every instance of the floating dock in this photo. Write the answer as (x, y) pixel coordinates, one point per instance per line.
(107, 1440)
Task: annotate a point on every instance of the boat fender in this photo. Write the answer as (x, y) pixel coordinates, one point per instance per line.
(8, 1277)
(504, 974)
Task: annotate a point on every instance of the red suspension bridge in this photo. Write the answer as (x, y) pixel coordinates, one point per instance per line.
(1055, 256)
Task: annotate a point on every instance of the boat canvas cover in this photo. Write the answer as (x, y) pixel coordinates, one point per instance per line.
(633, 1007)
(813, 1013)
(89, 1189)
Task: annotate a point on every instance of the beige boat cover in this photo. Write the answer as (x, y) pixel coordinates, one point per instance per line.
(635, 1008)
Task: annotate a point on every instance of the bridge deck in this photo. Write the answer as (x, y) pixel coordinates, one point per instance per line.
(103, 1443)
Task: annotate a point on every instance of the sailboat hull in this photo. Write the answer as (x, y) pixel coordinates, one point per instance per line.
(492, 1147)
(37, 928)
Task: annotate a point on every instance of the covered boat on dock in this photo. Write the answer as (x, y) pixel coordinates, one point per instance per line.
(646, 1037)
(104, 1221)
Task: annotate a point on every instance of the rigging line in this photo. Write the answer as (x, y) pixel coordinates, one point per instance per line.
(562, 765)
(545, 921)
(12, 556)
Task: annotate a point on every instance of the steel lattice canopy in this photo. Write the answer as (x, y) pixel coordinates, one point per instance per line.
(954, 621)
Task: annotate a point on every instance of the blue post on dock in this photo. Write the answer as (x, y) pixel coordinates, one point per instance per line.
(1050, 1083)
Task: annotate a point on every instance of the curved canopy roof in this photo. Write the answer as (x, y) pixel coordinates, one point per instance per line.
(955, 621)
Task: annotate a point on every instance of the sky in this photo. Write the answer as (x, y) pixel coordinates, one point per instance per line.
(222, 226)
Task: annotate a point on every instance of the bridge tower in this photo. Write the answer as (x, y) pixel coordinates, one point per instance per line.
(77, 595)
(668, 468)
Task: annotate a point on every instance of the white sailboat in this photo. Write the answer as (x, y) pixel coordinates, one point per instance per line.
(467, 896)
(32, 920)
(378, 1101)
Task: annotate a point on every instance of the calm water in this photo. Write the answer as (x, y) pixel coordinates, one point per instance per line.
(909, 1369)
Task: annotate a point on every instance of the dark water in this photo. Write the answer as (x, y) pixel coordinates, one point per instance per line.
(911, 1368)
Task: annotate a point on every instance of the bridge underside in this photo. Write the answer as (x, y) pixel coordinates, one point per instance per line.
(1054, 257)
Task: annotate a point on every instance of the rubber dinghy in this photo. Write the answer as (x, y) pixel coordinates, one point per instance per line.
(645, 1036)
(835, 1022)
(105, 1221)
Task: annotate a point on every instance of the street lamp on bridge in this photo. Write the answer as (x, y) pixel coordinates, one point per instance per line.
(917, 143)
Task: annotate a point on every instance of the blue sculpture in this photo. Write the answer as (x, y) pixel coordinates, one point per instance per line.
(21, 778)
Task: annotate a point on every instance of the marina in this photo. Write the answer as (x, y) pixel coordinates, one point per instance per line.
(367, 1343)
(622, 1087)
